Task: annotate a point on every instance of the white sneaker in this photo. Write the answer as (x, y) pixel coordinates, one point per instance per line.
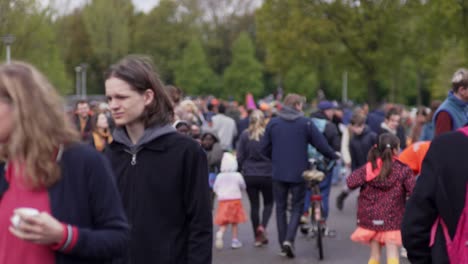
(403, 253)
(236, 244)
(304, 219)
(219, 240)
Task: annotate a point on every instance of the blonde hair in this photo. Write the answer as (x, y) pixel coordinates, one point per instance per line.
(256, 125)
(40, 124)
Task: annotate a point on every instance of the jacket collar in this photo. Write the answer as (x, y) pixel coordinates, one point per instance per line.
(451, 97)
(120, 135)
(289, 113)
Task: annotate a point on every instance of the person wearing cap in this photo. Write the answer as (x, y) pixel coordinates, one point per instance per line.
(182, 127)
(323, 120)
(331, 133)
(285, 142)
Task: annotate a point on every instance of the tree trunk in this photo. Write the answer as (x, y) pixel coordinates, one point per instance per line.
(420, 88)
(372, 92)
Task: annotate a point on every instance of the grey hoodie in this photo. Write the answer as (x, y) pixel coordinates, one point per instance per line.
(120, 135)
(289, 113)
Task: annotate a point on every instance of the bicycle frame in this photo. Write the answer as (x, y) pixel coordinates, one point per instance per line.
(316, 216)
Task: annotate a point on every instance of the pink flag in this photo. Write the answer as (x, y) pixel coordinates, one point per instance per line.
(250, 102)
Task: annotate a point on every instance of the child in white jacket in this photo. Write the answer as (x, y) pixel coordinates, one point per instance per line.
(228, 187)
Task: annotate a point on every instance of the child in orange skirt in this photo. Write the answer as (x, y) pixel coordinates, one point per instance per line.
(228, 187)
(385, 183)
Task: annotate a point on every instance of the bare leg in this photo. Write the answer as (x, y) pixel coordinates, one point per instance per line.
(234, 231)
(392, 254)
(375, 252)
(222, 229)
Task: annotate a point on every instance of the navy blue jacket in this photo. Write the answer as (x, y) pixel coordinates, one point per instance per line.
(250, 158)
(359, 147)
(285, 142)
(165, 193)
(374, 119)
(86, 197)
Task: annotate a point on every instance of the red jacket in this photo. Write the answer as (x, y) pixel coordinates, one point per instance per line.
(382, 203)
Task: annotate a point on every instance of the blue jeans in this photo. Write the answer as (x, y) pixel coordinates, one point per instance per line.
(287, 229)
(336, 173)
(325, 187)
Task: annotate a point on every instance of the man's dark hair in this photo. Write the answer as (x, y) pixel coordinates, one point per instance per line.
(391, 112)
(81, 101)
(292, 100)
(138, 71)
(221, 108)
(358, 119)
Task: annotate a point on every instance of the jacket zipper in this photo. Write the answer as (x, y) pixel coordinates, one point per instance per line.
(133, 161)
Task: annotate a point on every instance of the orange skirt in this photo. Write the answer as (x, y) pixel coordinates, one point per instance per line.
(230, 212)
(365, 236)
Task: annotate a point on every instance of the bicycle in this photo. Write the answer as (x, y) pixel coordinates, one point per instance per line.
(316, 227)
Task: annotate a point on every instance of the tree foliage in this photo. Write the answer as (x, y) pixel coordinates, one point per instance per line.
(35, 39)
(193, 74)
(245, 72)
(402, 51)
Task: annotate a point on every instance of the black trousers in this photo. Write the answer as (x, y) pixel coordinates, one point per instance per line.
(257, 185)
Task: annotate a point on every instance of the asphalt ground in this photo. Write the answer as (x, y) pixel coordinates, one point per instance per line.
(339, 249)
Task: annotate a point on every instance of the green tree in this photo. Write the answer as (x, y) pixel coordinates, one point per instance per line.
(35, 39)
(74, 44)
(163, 33)
(107, 27)
(193, 74)
(301, 79)
(245, 73)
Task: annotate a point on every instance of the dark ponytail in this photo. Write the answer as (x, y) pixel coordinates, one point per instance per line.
(387, 144)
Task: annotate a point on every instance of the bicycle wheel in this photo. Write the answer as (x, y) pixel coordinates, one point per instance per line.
(320, 228)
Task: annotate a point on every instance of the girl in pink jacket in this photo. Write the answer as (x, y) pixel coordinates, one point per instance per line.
(385, 184)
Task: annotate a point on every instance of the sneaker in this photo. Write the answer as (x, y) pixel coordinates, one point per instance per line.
(304, 229)
(236, 243)
(403, 253)
(261, 236)
(304, 219)
(282, 253)
(219, 240)
(340, 200)
(288, 249)
(329, 232)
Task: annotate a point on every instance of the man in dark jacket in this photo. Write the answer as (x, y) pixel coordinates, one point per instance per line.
(285, 142)
(375, 119)
(440, 192)
(162, 176)
(362, 140)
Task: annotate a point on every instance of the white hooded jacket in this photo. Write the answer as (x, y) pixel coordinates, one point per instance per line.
(229, 183)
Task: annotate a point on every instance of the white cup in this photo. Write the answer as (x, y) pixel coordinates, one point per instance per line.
(16, 219)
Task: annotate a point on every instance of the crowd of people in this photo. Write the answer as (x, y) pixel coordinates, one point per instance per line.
(135, 179)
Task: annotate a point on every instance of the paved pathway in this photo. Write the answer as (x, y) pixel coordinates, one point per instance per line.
(337, 250)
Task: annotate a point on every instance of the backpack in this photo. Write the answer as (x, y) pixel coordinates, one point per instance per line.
(457, 249)
(321, 162)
